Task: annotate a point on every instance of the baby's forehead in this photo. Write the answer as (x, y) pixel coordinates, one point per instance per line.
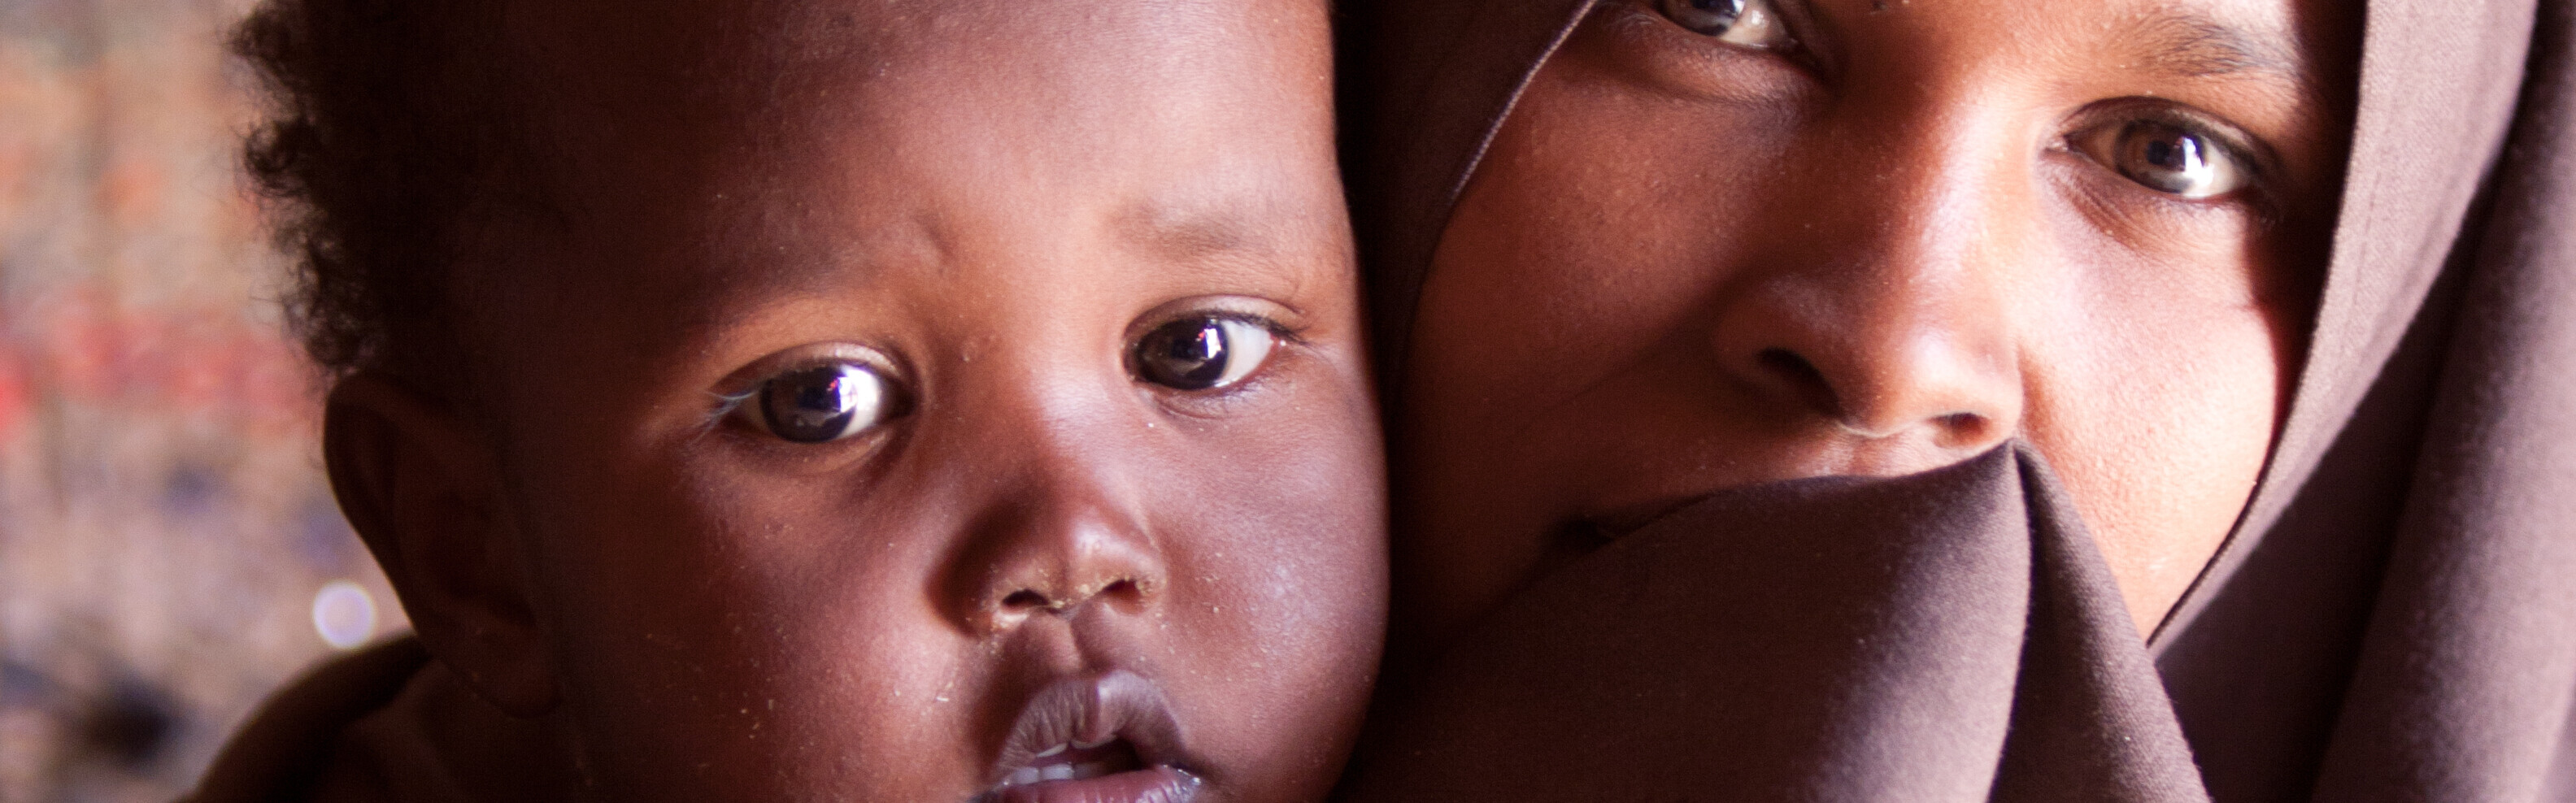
(803, 55)
(713, 152)
(745, 94)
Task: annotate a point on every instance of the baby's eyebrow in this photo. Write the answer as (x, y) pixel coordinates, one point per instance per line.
(2192, 44)
(1218, 231)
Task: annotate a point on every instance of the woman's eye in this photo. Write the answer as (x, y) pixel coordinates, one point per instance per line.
(824, 403)
(1202, 353)
(1742, 22)
(2172, 159)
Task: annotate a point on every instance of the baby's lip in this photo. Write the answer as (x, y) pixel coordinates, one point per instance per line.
(1099, 712)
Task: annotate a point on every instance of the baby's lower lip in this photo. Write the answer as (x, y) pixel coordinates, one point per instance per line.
(1155, 784)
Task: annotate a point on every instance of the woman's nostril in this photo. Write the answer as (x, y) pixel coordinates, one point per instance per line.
(1962, 429)
(1788, 363)
(1803, 380)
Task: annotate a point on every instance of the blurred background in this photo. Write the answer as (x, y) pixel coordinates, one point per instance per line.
(169, 552)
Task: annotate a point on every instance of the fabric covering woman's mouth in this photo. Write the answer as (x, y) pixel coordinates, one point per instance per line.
(1847, 639)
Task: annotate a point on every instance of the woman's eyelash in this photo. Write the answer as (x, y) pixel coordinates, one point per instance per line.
(1745, 23)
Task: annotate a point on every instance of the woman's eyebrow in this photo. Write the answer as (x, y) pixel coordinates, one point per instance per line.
(2191, 44)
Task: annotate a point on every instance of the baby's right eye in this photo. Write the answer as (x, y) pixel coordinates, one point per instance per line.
(823, 403)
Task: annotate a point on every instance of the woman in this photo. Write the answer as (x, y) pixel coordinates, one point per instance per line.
(2202, 351)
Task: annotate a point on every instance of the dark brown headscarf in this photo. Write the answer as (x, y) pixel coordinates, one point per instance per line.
(2393, 619)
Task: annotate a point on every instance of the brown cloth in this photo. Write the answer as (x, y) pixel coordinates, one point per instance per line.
(2393, 619)
(387, 724)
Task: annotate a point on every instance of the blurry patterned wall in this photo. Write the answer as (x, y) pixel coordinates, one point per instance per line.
(165, 533)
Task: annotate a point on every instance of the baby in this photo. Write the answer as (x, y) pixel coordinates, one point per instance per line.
(829, 400)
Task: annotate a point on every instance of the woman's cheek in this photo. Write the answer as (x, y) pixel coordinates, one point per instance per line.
(2153, 374)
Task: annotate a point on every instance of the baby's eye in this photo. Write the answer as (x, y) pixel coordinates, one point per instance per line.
(1749, 23)
(2168, 158)
(1202, 353)
(823, 403)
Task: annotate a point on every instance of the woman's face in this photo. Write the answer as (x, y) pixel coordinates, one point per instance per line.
(1722, 243)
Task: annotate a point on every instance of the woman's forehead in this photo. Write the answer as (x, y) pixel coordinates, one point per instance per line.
(2265, 40)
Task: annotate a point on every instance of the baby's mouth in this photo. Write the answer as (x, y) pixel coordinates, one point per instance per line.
(1105, 738)
(1077, 761)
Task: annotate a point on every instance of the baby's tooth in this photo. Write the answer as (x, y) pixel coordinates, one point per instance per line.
(1056, 772)
(1024, 775)
(1059, 748)
(1088, 745)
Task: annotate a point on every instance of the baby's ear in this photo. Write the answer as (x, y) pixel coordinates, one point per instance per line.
(422, 486)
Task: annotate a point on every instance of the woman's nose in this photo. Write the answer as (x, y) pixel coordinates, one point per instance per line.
(1886, 308)
(1059, 527)
(1876, 364)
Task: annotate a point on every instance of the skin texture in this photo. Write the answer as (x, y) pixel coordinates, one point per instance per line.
(990, 204)
(1883, 242)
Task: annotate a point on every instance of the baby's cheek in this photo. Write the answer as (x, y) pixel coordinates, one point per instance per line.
(1277, 599)
(875, 703)
(722, 644)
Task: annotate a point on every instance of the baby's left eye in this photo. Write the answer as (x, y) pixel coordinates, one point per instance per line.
(2167, 158)
(1202, 353)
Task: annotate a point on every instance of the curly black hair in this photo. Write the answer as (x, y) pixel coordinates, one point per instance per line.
(390, 139)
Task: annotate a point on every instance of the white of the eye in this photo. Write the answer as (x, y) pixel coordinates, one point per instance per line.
(1753, 28)
(866, 398)
(1247, 346)
(2216, 174)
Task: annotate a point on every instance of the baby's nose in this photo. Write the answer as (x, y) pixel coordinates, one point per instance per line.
(1057, 549)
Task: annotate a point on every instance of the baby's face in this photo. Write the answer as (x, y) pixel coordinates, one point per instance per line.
(1723, 242)
(932, 400)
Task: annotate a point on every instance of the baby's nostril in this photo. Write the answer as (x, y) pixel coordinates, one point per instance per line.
(1024, 598)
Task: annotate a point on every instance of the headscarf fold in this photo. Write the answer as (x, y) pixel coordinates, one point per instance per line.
(2394, 618)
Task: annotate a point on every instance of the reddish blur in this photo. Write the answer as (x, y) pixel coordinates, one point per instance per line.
(164, 529)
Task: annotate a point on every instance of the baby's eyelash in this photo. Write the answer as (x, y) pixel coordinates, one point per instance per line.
(1276, 329)
(726, 404)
